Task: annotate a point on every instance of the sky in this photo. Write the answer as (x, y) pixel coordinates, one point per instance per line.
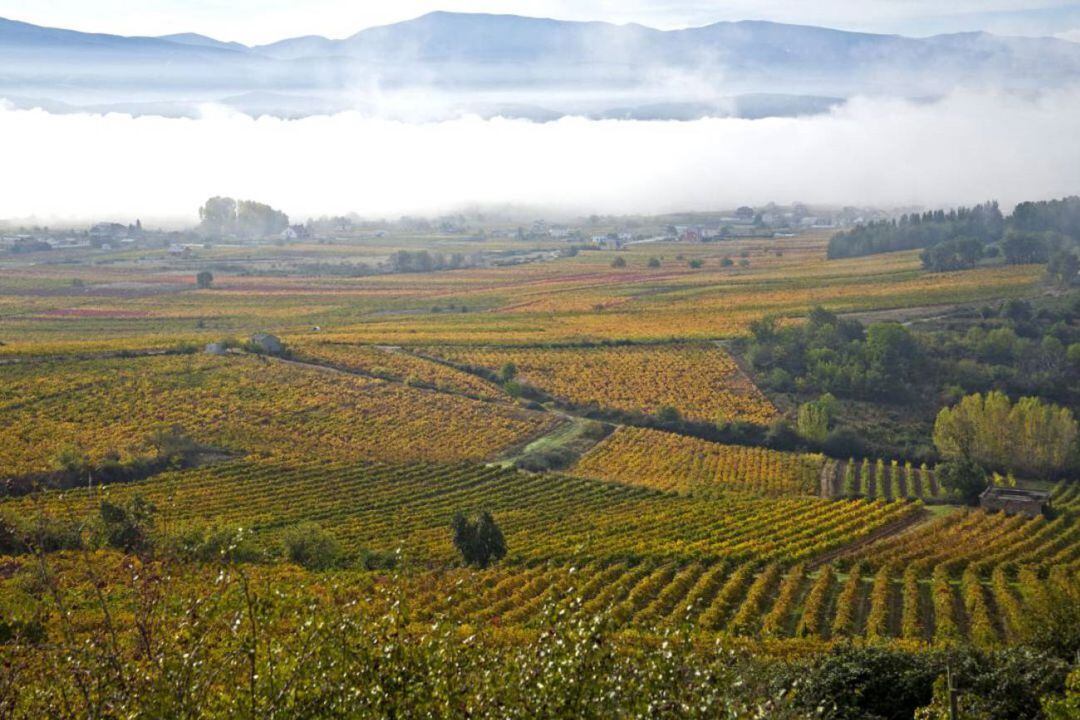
(262, 21)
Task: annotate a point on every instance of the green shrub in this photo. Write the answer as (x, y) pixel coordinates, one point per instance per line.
(312, 547)
(478, 539)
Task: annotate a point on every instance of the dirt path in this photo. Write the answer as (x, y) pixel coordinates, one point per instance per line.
(782, 403)
(922, 313)
(81, 357)
(880, 533)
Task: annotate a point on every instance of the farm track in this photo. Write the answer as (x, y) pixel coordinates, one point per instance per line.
(81, 357)
(880, 533)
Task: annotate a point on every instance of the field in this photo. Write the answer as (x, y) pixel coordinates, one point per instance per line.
(702, 383)
(398, 366)
(667, 461)
(245, 405)
(545, 518)
(393, 411)
(152, 302)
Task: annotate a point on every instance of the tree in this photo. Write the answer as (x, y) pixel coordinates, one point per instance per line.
(1063, 267)
(814, 418)
(312, 547)
(1025, 247)
(173, 445)
(893, 355)
(258, 220)
(955, 254)
(508, 372)
(618, 262)
(478, 539)
(1030, 436)
(964, 477)
(204, 280)
(246, 218)
(127, 527)
(654, 262)
(218, 216)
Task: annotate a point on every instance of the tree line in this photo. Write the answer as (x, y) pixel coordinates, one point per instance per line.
(225, 217)
(1036, 232)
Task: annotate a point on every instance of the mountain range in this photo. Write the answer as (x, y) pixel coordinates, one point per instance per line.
(446, 64)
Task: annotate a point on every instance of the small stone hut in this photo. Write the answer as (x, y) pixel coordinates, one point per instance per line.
(269, 344)
(1014, 501)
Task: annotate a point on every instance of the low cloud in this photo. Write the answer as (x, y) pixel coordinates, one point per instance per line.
(965, 148)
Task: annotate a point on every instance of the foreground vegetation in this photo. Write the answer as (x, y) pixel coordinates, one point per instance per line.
(116, 636)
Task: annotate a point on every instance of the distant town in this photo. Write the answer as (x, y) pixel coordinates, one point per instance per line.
(550, 238)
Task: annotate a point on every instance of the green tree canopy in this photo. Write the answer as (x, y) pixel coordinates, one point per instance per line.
(1029, 436)
(815, 417)
(312, 547)
(478, 539)
(127, 527)
(963, 477)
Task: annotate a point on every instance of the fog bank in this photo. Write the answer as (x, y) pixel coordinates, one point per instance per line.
(965, 148)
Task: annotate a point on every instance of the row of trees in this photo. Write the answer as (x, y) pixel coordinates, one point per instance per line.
(1037, 232)
(1028, 436)
(418, 261)
(224, 217)
(983, 223)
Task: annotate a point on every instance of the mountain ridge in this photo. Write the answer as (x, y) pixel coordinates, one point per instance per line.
(465, 60)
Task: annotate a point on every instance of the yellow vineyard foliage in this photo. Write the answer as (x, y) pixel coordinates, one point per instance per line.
(666, 461)
(701, 381)
(392, 363)
(243, 404)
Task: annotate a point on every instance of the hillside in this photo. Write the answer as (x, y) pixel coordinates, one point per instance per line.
(502, 63)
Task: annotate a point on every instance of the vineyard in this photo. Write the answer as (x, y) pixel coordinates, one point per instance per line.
(244, 405)
(665, 461)
(968, 577)
(407, 399)
(702, 382)
(545, 517)
(737, 565)
(981, 540)
(885, 480)
(580, 299)
(391, 364)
